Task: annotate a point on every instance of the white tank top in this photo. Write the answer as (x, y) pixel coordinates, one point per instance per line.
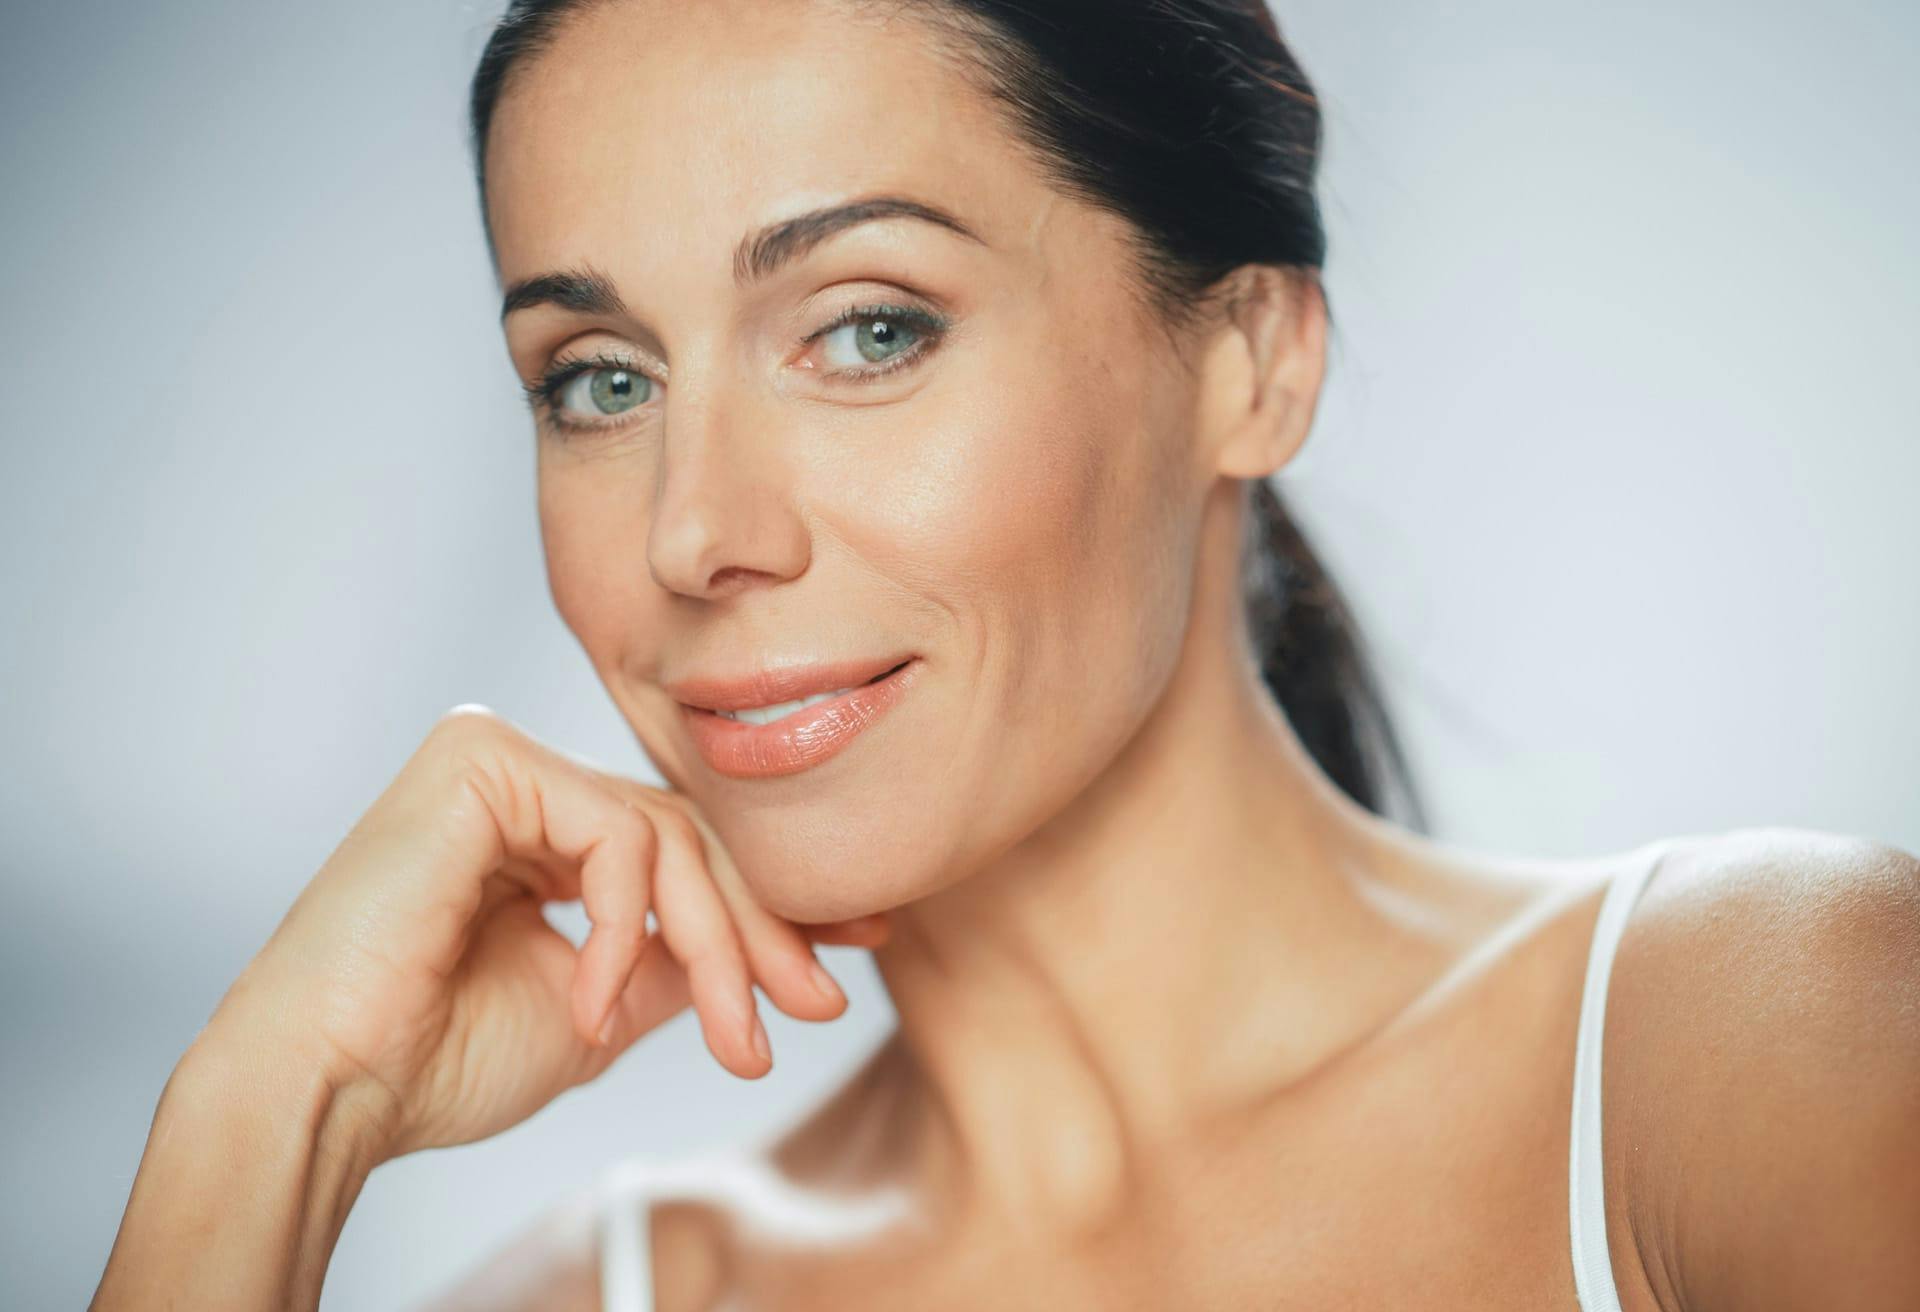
(626, 1266)
(1586, 1197)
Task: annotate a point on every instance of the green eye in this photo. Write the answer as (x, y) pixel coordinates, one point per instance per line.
(876, 338)
(605, 391)
(869, 340)
(581, 393)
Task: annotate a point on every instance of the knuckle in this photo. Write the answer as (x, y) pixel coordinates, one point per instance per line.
(684, 833)
(638, 830)
(626, 930)
(467, 723)
(468, 711)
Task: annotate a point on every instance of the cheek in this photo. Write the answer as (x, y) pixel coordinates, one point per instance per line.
(1012, 496)
(1041, 513)
(1044, 518)
(594, 542)
(1044, 526)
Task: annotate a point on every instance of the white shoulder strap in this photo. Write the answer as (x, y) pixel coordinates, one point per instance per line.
(626, 1264)
(1592, 1263)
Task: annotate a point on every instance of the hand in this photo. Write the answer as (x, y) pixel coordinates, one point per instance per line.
(417, 965)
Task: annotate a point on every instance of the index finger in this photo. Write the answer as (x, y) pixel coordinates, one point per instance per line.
(493, 804)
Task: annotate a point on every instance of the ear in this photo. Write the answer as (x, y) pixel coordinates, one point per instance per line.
(1262, 370)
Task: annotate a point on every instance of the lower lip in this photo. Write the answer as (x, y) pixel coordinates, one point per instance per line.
(798, 741)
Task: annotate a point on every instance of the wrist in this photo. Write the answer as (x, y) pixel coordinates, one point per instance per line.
(252, 1164)
(242, 1063)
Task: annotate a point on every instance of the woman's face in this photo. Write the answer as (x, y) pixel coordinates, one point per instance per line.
(1010, 495)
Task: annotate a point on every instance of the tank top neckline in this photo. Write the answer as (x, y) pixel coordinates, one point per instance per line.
(626, 1263)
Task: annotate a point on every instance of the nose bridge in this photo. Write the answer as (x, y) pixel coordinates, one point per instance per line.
(722, 508)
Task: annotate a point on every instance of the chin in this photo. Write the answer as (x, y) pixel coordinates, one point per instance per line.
(814, 868)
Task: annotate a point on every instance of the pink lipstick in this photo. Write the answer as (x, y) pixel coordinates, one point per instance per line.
(788, 719)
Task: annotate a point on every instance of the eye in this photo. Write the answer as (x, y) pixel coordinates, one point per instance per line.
(582, 394)
(603, 391)
(867, 340)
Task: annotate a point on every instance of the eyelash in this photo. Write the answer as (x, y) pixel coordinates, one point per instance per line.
(543, 393)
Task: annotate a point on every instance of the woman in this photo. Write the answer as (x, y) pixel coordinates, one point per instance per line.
(906, 376)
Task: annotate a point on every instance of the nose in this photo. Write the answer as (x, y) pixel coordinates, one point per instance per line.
(725, 515)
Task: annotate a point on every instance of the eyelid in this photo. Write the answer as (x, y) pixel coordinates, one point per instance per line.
(563, 369)
(929, 320)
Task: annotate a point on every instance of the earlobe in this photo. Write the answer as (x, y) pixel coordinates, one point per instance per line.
(1265, 372)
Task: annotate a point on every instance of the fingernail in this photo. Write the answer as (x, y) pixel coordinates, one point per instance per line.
(606, 1026)
(760, 1044)
(825, 984)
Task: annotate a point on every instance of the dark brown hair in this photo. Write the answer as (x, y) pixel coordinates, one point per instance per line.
(1191, 120)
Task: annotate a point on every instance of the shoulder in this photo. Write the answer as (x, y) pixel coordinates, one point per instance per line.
(1763, 1062)
(1789, 922)
(691, 1242)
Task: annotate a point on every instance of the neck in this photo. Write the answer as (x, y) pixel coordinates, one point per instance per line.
(1200, 928)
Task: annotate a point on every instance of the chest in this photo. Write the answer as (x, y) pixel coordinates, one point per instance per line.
(1429, 1187)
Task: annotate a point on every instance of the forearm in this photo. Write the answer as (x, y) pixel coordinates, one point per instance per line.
(252, 1164)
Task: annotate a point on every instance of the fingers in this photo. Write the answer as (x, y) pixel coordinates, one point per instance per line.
(560, 828)
(656, 992)
(544, 805)
(633, 849)
(615, 882)
(777, 952)
(783, 961)
(696, 926)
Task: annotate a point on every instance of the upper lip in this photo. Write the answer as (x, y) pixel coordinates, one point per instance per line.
(781, 683)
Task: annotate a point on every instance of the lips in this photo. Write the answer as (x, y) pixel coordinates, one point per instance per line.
(741, 749)
(781, 684)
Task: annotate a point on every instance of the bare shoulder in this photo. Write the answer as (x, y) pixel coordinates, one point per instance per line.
(1763, 1073)
(690, 1239)
(550, 1263)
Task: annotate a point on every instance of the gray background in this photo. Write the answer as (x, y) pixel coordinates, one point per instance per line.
(1616, 462)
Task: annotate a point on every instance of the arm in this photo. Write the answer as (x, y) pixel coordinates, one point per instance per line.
(251, 1167)
(414, 997)
(1777, 1095)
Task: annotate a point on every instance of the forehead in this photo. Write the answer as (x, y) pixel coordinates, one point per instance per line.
(674, 127)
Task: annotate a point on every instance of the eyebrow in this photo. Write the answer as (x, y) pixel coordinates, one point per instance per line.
(760, 254)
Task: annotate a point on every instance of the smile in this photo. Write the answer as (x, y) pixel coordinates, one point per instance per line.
(768, 714)
(744, 741)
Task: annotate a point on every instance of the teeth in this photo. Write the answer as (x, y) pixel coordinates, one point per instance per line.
(768, 714)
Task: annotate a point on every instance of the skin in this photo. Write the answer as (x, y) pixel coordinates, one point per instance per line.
(1164, 993)
(1180, 1025)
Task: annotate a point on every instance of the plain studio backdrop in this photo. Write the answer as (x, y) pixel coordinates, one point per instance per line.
(1617, 462)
